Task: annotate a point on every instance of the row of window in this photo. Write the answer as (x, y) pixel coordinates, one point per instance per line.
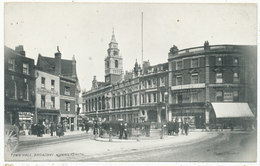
(43, 103)
(66, 88)
(195, 62)
(11, 66)
(152, 98)
(152, 83)
(12, 92)
(195, 78)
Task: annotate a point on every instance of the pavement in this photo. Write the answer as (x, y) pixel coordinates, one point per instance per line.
(90, 149)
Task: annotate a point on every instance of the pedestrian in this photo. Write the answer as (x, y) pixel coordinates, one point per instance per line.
(51, 128)
(176, 126)
(95, 131)
(125, 130)
(54, 129)
(59, 129)
(121, 130)
(186, 128)
(86, 126)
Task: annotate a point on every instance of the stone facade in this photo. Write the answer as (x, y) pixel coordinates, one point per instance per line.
(47, 97)
(191, 79)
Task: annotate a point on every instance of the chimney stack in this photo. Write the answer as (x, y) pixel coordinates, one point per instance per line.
(74, 75)
(19, 49)
(58, 62)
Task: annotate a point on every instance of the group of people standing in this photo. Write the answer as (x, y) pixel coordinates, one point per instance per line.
(57, 129)
(123, 130)
(174, 127)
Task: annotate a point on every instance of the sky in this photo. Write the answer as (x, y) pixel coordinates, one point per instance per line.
(85, 30)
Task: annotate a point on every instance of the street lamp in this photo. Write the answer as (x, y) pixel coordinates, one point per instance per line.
(166, 95)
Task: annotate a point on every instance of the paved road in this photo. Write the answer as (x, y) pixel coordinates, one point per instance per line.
(227, 147)
(234, 146)
(23, 145)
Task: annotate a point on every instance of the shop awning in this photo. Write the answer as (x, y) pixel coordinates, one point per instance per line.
(232, 110)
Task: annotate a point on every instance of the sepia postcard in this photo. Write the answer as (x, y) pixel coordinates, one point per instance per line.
(130, 82)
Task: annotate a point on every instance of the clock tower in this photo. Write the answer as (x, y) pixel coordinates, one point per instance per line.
(113, 62)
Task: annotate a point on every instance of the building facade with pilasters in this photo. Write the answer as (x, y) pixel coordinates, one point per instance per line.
(194, 80)
(204, 75)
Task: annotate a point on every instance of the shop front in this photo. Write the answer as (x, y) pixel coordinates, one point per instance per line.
(232, 116)
(192, 113)
(68, 121)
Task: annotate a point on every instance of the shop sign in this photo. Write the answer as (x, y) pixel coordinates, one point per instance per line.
(46, 91)
(189, 86)
(228, 96)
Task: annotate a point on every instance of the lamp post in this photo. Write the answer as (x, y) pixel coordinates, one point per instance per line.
(166, 95)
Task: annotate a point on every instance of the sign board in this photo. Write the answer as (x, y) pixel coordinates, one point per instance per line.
(188, 86)
(228, 96)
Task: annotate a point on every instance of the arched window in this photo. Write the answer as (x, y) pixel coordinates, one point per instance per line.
(116, 63)
(107, 64)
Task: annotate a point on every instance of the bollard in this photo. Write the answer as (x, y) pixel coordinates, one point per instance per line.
(138, 134)
(110, 134)
(162, 132)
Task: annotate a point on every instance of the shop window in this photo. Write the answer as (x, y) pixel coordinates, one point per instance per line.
(25, 68)
(219, 96)
(67, 90)
(42, 101)
(53, 102)
(194, 78)
(235, 96)
(179, 80)
(219, 61)
(67, 106)
(11, 64)
(235, 77)
(228, 96)
(52, 84)
(194, 63)
(43, 82)
(219, 78)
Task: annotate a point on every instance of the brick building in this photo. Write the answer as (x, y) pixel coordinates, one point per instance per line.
(19, 86)
(197, 83)
(68, 84)
(204, 79)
